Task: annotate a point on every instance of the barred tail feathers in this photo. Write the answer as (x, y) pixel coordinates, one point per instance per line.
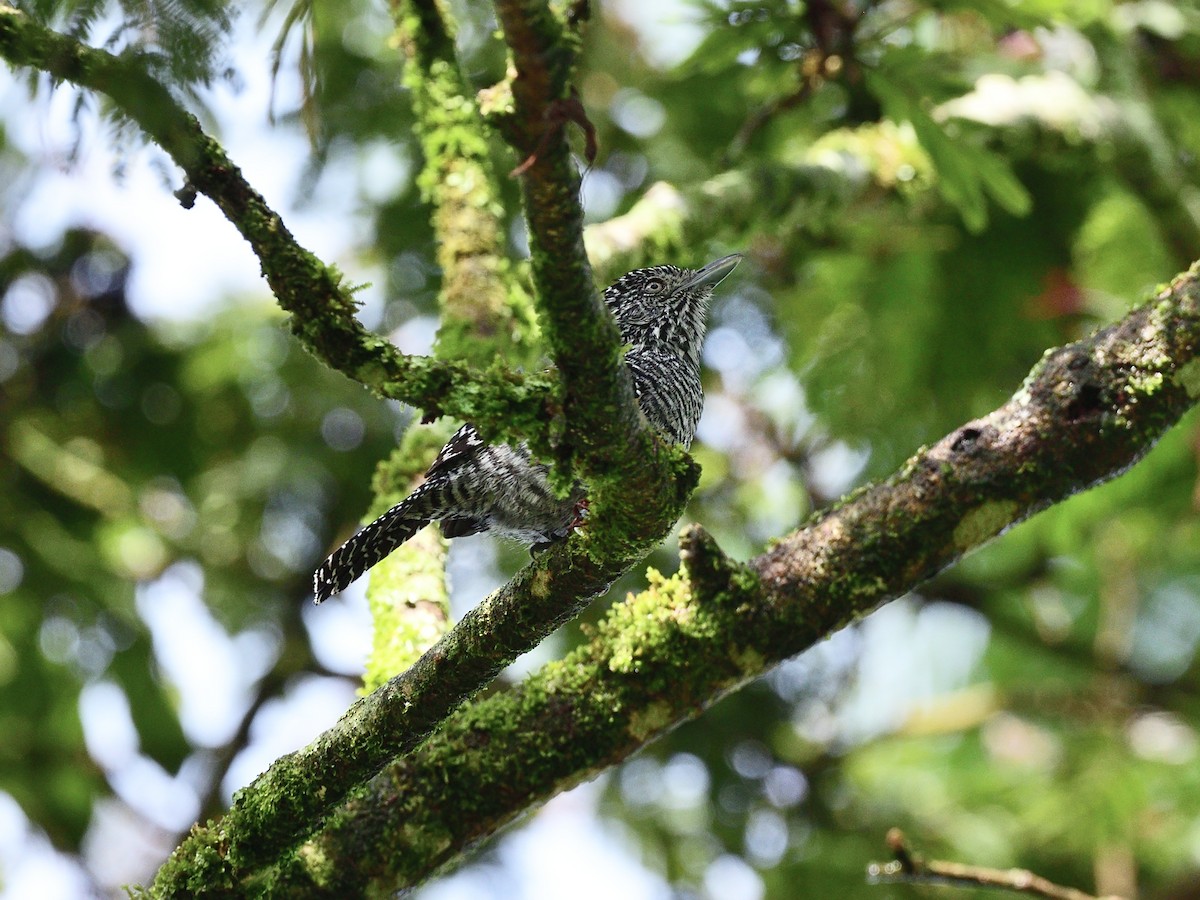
(369, 546)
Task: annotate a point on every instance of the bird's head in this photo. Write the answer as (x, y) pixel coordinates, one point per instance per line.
(665, 306)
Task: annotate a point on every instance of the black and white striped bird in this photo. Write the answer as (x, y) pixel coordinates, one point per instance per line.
(471, 487)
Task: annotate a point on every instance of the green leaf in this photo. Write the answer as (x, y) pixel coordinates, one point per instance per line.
(967, 173)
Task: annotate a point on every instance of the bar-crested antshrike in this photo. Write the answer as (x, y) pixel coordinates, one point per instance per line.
(473, 486)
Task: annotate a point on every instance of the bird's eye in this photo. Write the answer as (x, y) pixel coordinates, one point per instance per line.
(655, 286)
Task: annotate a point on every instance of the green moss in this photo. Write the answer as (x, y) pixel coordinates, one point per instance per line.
(480, 317)
(410, 606)
(320, 868)
(749, 661)
(983, 523)
(1149, 383)
(647, 722)
(541, 584)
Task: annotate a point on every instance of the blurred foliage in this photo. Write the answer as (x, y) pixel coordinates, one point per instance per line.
(182, 40)
(128, 450)
(1026, 169)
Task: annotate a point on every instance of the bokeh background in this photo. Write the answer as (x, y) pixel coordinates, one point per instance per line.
(963, 184)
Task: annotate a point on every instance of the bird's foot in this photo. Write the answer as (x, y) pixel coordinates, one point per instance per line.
(581, 514)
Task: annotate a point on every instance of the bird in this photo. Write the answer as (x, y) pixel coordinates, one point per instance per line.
(474, 486)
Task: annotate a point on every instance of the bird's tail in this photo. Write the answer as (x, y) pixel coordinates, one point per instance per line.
(367, 547)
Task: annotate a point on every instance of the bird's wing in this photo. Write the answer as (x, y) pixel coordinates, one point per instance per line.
(462, 526)
(463, 445)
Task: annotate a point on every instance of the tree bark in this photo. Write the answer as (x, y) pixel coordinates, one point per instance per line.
(1086, 413)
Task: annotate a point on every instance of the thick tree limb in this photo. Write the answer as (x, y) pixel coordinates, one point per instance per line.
(499, 400)
(1086, 413)
(291, 798)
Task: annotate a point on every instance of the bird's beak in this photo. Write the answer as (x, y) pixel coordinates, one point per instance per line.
(712, 274)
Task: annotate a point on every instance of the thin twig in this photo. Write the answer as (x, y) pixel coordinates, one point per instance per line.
(910, 867)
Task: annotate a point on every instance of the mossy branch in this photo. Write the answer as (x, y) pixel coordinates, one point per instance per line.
(292, 798)
(483, 311)
(408, 593)
(501, 401)
(605, 435)
(1086, 413)
(637, 485)
(484, 316)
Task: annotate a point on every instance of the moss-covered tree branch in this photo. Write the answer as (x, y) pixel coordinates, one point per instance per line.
(484, 316)
(584, 342)
(605, 438)
(483, 313)
(292, 798)
(1086, 413)
(637, 485)
(498, 399)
